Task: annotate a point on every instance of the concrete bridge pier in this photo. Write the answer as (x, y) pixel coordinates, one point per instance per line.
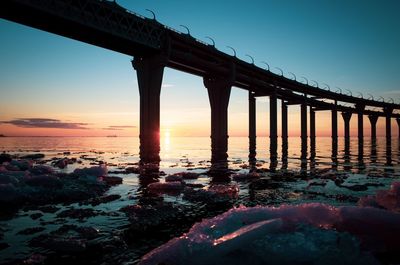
(360, 116)
(334, 128)
(303, 158)
(273, 129)
(312, 132)
(373, 119)
(398, 124)
(388, 114)
(284, 107)
(149, 72)
(252, 125)
(346, 118)
(219, 91)
(303, 114)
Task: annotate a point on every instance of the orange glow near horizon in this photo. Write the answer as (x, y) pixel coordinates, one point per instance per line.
(178, 127)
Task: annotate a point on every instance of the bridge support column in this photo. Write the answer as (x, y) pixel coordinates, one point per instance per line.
(149, 72)
(334, 132)
(252, 125)
(312, 130)
(360, 116)
(346, 118)
(398, 124)
(219, 91)
(284, 126)
(303, 110)
(388, 116)
(273, 127)
(373, 119)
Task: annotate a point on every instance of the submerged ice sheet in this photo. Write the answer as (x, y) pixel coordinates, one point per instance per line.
(311, 233)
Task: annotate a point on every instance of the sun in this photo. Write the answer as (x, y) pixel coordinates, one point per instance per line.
(167, 138)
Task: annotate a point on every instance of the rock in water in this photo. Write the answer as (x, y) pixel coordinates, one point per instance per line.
(91, 174)
(5, 158)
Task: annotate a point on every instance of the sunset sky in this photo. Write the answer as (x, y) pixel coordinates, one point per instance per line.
(51, 85)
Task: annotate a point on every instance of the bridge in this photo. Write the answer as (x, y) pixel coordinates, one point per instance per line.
(155, 46)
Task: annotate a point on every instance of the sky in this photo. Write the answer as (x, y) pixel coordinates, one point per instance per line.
(51, 85)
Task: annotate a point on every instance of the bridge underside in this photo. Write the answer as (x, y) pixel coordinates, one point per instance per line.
(41, 19)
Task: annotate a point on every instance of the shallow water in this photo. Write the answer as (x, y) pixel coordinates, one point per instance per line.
(198, 149)
(375, 170)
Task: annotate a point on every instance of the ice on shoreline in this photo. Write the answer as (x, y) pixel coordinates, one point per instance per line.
(312, 233)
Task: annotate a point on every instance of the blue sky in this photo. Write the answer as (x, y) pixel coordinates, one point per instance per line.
(347, 44)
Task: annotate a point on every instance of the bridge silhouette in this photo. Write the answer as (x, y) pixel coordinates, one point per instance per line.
(155, 46)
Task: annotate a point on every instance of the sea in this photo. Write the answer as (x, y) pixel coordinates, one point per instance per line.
(374, 169)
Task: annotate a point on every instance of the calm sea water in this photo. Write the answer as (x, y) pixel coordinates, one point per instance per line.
(195, 149)
(376, 169)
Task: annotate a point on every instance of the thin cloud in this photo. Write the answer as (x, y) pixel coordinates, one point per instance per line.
(167, 85)
(45, 123)
(119, 127)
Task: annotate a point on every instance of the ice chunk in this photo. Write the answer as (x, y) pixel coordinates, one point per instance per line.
(160, 187)
(97, 171)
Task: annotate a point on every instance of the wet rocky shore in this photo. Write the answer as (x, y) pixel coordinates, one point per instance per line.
(85, 208)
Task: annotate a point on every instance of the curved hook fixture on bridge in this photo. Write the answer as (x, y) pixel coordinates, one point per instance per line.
(154, 15)
(280, 70)
(329, 88)
(234, 51)
(305, 79)
(188, 31)
(360, 95)
(266, 65)
(213, 42)
(370, 96)
(383, 100)
(315, 82)
(351, 94)
(252, 59)
(391, 100)
(295, 79)
(338, 88)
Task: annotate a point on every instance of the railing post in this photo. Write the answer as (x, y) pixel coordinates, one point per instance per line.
(149, 72)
